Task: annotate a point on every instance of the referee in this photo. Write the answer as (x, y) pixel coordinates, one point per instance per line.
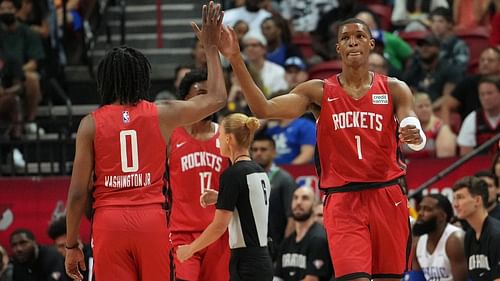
(242, 204)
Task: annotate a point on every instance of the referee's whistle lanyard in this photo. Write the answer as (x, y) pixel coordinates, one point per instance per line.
(272, 172)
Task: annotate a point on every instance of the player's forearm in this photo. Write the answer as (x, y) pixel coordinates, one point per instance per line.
(210, 235)
(77, 200)
(253, 95)
(217, 94)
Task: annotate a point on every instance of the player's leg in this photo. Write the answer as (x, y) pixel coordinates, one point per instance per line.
(188, 270)
(215, 261)
(346, 223)
(390, 229)
(152, 245)
(111, 245)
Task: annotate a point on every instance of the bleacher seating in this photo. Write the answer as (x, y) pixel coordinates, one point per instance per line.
(477, 39)
(325, 69)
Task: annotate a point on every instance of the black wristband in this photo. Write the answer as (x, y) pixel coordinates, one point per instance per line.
(72, 247)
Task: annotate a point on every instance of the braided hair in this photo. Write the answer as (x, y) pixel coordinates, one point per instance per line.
(123, 76)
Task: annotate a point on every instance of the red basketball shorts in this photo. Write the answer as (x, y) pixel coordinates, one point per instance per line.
(209, 264)
(368, 233)
(131, 243)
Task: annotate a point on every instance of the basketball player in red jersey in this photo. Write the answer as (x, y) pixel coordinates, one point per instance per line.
(124, 144)
(195, 165)
(358, 115)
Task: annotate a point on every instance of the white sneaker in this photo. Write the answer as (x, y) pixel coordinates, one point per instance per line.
(32, 127)
(18, 158)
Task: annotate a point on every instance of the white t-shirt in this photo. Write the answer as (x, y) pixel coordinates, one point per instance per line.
(273, 77)
(253, 19)
(305, 14)
(467, 135)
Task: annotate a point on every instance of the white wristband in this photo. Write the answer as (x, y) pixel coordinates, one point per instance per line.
(415, 122)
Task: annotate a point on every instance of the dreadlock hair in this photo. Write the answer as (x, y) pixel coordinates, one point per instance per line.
(194, 76)
(123, 76)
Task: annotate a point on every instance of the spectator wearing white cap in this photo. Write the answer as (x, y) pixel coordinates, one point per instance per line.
(272, 75)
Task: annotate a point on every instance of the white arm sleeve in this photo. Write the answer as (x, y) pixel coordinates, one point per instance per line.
(414, 121)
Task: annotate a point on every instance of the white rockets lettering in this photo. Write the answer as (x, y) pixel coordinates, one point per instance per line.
(356, 119)
(126, 181)
(201, 159)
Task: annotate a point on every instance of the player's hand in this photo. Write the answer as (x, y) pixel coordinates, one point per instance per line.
(228, 44)
(410, 135)
(74, 262)
(184, 252)
(210, 32)
(209, 197)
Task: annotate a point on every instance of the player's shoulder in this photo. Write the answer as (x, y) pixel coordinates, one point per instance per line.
(494, 227)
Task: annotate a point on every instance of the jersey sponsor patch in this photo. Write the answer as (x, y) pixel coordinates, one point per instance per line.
(125, 117)
(380, 99)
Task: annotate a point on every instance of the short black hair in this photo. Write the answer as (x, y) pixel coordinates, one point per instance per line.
(16, 3)
(487, 174)
(443, 12)
(123, 76)
(57, 228)
(193, 76)
(24, 231)
(264, 137)
(354, 20)
(443, 204)
(475, 186)
(490, 80)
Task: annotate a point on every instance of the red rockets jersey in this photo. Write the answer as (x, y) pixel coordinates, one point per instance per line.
(130, 154)
(357, 139)
(194, 166)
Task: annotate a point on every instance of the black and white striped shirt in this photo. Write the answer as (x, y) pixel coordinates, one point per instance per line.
(244, 190)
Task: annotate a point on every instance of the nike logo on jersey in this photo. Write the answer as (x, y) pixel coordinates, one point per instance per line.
(331, 99)
(397, 203)
(180, 144)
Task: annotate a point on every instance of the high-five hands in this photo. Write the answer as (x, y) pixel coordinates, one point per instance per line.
(210, 32)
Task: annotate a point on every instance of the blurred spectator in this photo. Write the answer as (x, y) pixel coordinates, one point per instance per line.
(57, 232)
(263, 151)
(198, 55)
(19, 43)
(483, 123)
(304, 15)
(465, 97)
(295, 140)
(11, 78)
(495, 25)
(412, 15)
(492, 182)
(179, 73)
(495, 169)
(32, 261)
(441, 141)
(295, 71)
(430, 74)
(395, 49)
(469, 14)
(272, 75)
(251, 13)
(278, 37)
(324, 37)
(6, 270)
(304, 255)
(35, 15)
(453, 49)
(318, 212)
(241, 28)
(378, 64)
(73, 17)
(482, 239)
(439, 250)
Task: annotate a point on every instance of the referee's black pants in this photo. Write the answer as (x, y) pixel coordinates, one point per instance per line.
(250, 264)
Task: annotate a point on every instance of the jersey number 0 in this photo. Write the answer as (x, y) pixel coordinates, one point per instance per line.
(134, 165)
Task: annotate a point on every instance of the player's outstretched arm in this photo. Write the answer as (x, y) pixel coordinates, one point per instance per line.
(179, 113)
(410, 131)
(291, 105)
(83, 165)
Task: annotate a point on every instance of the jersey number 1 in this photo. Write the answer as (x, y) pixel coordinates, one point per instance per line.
(134, 165)
(358, 145)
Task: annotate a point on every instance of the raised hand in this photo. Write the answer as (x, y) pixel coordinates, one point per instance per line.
(228, 44)
(210, 32)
